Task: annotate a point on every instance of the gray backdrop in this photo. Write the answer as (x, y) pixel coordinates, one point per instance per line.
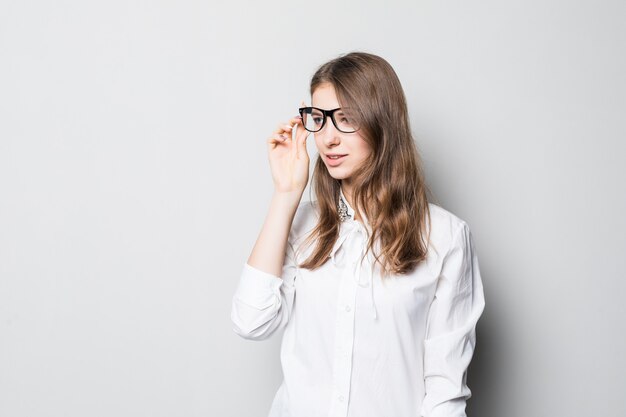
(134, 180)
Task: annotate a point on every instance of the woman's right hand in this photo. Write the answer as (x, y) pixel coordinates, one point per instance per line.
(289, 159)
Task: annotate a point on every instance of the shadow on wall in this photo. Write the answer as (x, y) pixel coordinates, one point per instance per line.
(483, 377)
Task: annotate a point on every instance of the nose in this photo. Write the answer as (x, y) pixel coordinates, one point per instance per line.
(330, 134)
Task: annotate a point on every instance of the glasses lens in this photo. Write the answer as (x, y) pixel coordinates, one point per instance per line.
(345, 121)
(312, 119)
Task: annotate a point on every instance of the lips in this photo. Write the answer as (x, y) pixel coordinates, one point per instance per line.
(334, 159)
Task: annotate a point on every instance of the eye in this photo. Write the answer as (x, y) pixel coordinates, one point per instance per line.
(345, 118)
(317, 117)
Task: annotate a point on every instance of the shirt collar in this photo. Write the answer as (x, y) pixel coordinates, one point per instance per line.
(348, 214)
(345, 209)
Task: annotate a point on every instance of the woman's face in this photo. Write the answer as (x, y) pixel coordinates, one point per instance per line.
(331, 141)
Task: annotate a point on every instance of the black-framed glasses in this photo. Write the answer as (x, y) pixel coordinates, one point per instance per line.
(314, 119)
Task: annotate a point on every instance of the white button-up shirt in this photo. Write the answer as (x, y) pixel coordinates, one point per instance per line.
(355, 346)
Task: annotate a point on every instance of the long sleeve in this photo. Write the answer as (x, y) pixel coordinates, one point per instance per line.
(451, 329)
(262, 302)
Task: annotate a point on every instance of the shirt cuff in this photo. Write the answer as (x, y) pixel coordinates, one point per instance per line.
(258, 288)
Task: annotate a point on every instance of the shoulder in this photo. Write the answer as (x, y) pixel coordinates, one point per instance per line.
(445, 227)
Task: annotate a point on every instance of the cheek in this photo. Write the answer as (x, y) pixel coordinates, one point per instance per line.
(364, 151)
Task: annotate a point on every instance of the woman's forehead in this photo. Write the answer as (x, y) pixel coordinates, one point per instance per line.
(324, 97)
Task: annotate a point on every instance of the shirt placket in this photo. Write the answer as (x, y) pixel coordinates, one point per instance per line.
(344, 338)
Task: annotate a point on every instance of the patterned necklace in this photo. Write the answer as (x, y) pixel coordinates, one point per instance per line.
(342, 208)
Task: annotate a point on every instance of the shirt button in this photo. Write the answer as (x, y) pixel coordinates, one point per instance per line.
(348, 308)
(341, 398)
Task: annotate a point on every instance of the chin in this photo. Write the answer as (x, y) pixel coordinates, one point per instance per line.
(338, 174)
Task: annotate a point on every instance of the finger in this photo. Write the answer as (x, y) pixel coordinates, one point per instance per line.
(301, 136)
(282, 137)
(282, 128)
(276, 140)
(291, 133)
(272, 143)
(301, 132)
(302, 104)
(286, 127)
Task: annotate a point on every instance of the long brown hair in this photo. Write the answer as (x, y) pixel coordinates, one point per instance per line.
(389, 186)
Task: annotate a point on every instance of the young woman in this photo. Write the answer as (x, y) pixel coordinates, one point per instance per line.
(377, 289)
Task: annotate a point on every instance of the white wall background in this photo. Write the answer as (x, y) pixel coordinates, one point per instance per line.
(134, 181)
